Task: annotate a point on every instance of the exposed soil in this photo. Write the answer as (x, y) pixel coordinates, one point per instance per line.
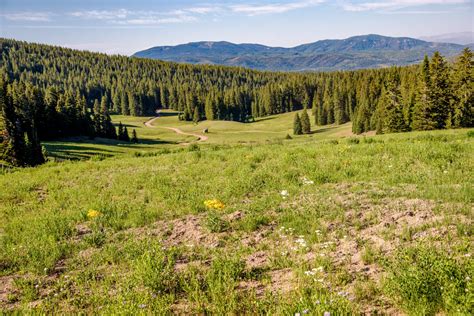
(201, 138)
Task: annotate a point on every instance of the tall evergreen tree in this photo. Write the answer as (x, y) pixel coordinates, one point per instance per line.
(463, 102)
(439, 90)
(120, 131)
(297, 128)
(305, 122)
(422, 115)
(391, 112)
(196, 115)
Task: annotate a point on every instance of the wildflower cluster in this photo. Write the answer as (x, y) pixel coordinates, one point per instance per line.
(91, 214)
(314, 271)
(214, 204)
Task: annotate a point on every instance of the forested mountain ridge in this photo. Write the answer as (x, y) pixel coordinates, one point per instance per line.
(48, 92)
(366, 51)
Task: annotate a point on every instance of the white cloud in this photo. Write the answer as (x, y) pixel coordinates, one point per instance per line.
(130, 17)
(252, 10)
(102, 14)
(204, 10)
(28, 16)
(395, 4)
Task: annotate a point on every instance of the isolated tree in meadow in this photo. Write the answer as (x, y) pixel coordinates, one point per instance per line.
(305, 122)
(134, 137)
(297, 128)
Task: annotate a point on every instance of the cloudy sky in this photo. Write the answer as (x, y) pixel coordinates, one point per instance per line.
(124, 27)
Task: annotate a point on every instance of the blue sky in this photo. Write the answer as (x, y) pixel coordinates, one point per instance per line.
(125, 27)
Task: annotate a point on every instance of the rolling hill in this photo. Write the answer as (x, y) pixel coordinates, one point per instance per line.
(366, 51)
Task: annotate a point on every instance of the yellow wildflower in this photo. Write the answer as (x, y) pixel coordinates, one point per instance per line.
(214, 204)
(93, 214)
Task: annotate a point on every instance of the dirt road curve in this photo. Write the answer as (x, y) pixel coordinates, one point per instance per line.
(201, 138)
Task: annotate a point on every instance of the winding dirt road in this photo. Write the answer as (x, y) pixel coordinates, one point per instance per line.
(201, 138)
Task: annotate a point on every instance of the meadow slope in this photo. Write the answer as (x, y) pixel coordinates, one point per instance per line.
(307, 225)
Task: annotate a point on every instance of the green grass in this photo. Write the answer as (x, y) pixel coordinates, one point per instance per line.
(156, 248)
(264, 130)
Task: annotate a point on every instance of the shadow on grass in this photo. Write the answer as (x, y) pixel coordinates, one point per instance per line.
(159, 114)
(61, 147)
(64, 155)
(262, 119)
(322, 130)
(128, 126)
(79, 148)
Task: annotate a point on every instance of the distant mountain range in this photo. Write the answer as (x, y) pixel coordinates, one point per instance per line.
(365, 51)
(462, 38)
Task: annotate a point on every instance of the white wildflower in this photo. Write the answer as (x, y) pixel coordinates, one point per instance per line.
(306, 181)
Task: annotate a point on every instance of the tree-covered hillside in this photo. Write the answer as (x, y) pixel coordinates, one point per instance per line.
(357, 52)
(55, 92)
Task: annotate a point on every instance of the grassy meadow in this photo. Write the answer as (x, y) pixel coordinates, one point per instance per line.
(159, 137)
(247, 222)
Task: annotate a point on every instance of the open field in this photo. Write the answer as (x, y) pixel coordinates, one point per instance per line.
(264, 130)
(313, 224)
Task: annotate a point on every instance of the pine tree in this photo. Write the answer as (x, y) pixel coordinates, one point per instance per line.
(391, 110)
(124, 108)
(210, 107)
(116, 103)
(422, 113)
(120, 131)
(297, 128)
(339, 111)
(439, 90)
(305, 122)
(463, 107)
(133, 104)
(196, 115)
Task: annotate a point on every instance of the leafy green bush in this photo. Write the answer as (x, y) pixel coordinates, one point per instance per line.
(425, 281)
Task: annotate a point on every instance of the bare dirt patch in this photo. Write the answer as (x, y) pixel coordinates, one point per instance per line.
(257, 260)
(188, 231)
(7, 288)
(279, 282)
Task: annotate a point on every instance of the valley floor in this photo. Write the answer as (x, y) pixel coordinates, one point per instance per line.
(161, 133)
(309, 225)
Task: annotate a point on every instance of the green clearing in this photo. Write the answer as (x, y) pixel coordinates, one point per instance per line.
(263, 131)
(379, 223)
